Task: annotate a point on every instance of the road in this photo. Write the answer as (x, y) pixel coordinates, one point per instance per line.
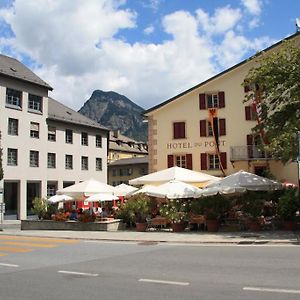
(39, 268)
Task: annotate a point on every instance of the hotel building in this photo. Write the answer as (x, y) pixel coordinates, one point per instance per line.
(46, 145)
(181, 128)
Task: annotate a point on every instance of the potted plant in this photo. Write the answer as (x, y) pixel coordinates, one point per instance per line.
(287, 207)
(176, 213)
(213, 208)
(138, 207)
(40, 206)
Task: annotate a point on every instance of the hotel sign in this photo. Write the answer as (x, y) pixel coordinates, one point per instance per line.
(190, 145)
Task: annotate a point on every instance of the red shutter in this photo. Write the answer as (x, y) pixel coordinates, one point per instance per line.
(246, 88)
(248, 112)
(221, 96)
(222, 126)
(202, 101)
(189, 161)
(170, 161)
(182, 130)
(249, 139)
(224, 159)
(203, 161)
(203, 128)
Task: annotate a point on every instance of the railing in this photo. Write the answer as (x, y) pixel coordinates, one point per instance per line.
(247, 153)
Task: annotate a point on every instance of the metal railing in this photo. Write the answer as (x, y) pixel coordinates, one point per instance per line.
(247, 153)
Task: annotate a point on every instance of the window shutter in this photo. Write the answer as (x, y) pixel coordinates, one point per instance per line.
(223, 156)
(222, 126)
(246, 88)
(249, 139)
(189, 161)
(203, 128)
(202, 101)
(170, 161)
(248, 113)
(203, 161)
(182, 130)
(221, 96)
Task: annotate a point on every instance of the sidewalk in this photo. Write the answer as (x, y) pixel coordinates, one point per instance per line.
(12, 227)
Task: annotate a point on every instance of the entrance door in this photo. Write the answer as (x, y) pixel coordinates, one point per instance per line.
(33, 190)
(11, 197)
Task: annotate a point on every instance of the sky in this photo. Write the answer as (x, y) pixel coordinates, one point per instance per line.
(147, 50)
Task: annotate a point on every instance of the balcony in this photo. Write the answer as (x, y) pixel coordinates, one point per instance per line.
(247, 153)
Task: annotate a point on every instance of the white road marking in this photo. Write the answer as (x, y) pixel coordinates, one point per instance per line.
(164, 282)
(258, 289)
(9, 265)
(78, 273)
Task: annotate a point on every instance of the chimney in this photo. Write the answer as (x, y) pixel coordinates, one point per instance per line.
(116, 133)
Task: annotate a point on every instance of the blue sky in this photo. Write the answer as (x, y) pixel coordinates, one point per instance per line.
(147, 50)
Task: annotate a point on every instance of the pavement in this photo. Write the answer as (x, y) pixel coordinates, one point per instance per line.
(13, 227)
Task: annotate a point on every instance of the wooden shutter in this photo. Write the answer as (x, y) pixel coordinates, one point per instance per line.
(182, 130)
(179, 130)
(248, 113)
(246, 88)
(222, 126)
(223, 156)
(189, 161)
(203, 128)
(203, 161)
(170, 161)
(250, 145)
(202, 101)
(221, 96)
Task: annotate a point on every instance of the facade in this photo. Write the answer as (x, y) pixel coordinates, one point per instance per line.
(208, 128)
(46, 145)
(122, 170)
(121, 146)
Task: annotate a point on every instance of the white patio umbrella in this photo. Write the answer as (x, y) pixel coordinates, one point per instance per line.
(174, 189)
(124, 190)
(174, 173)
(145, 189)
(101, 197)
(59, 198)
(86, 188)
(249, 181)
(224, 190)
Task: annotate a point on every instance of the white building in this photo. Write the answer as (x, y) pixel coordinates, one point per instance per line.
(46, 145)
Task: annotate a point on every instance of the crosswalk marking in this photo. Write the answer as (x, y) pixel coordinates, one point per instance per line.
(27, 238)
(35, 245)
(3, 254)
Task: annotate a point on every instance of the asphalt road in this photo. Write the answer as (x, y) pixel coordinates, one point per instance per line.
(37, 268)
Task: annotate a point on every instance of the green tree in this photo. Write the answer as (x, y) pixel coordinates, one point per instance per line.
(277, 81)
(1, 168)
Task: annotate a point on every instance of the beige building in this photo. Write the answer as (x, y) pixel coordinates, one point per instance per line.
(121, 146)
(46, 145)
(185, 129)
(122, 170)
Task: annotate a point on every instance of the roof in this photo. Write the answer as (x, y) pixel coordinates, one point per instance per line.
(13, 68)
(130, 161)
(219, 75)
(59, 112)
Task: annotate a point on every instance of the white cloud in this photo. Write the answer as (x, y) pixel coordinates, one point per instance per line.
(148, 30)
(254, 7)
(76, 49)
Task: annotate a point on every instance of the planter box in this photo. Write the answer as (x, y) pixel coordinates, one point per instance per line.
(111, 225)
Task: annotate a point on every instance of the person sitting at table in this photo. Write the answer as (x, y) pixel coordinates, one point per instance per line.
(73, 215)
(104, 213)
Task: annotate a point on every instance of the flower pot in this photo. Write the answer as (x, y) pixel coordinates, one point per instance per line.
(177, 227)
(289, 225)
(212, 225)
(254, 225)
(141, 226)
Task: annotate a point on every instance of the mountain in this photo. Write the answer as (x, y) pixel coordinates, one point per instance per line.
(116, 112)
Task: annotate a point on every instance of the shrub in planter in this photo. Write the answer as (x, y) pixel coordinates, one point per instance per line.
(86, 217)
(40, 206)
(60, 216)
(287, 207)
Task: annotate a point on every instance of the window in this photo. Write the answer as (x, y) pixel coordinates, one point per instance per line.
(209, 129)
(84, 163)
(250, 114)
(69, 136)
(121, 172)
(213, 162)
(143, 171)
(35, 103)
(12, 157)
(51, 189)
(129, 171)
(34, 158)
(51, 160)
(98, 141)
(13, 98)
(180, 161)
(114, 172)
(212, 100)
(69, 162)
(13, 126)
(51, 133)
(179, 130)
(34, 130)
(84, 139)
(99, 165)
